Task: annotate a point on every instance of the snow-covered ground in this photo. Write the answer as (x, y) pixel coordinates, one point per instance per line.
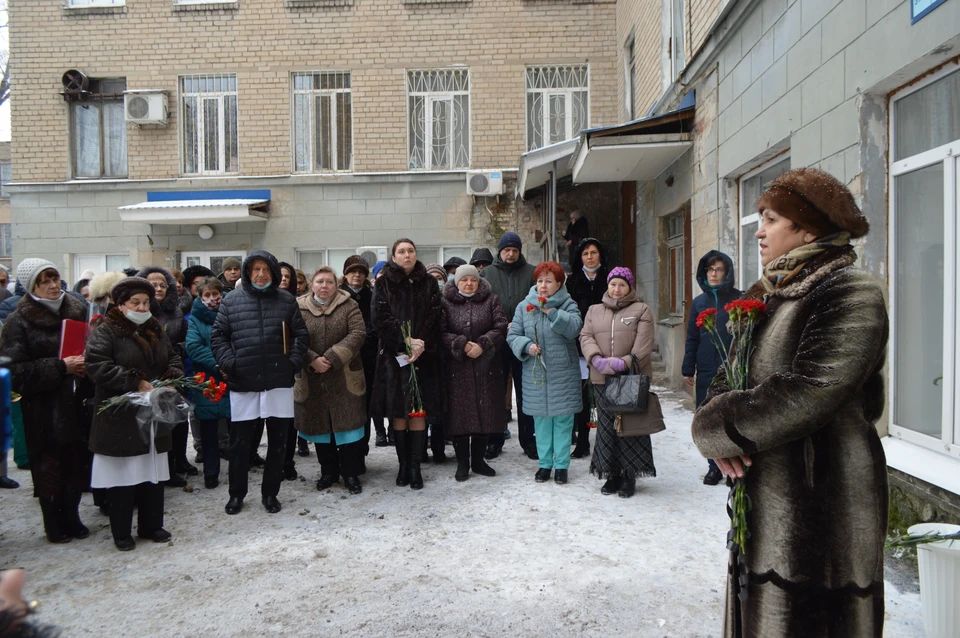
(501, 556)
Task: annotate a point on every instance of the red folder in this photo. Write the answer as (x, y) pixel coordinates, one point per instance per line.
(73, 338)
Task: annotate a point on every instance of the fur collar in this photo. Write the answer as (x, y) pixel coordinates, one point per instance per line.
(307, 303)
(39, 315)
(452, 294)
(123, 327)
(395, 274)
(815, 271)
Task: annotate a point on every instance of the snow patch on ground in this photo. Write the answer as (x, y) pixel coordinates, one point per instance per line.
(501, 556)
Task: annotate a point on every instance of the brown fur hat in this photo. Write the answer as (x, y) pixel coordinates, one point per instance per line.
(816, 201)
(126, 288)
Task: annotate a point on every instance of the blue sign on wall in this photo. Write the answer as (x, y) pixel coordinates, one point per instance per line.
(920, 8)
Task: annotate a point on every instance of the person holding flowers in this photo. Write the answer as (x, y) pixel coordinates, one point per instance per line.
(51, 407)
(125, 353)
(701, 359)
(474, 330)
(795, 404)
(407, 386)
(330, 408)
(208, 412)
(543, 336)
(617, 334)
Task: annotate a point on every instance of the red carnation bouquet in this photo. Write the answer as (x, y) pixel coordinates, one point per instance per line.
(207, 385)
(539, 367)
(416, 399)
(744, 314)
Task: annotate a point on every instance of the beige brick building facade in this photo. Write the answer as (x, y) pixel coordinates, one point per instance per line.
(153, 43)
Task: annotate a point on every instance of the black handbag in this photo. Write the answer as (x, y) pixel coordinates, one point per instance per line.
(627, 393)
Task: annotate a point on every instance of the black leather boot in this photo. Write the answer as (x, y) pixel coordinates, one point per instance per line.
(70, 515)
(417, 440)
(437, 443)
(628, 485)
(461, 447)
(477, 447)
(611, 486)
(402, 439)
(50, 508)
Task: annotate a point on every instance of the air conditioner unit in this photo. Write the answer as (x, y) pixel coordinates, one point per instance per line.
(484, 183)
(145, 107)
(373, 254)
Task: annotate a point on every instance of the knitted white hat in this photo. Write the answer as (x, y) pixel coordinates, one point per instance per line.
(29, 269)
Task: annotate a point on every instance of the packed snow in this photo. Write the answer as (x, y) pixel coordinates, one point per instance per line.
(501, 556)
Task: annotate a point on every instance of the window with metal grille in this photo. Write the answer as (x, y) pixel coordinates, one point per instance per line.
(209, 124)
(438, 118)
(322, 122)
(558, 103)
(99, 131)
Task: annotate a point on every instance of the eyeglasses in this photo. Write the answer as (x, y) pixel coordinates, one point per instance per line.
(160, 286)
(718, 270)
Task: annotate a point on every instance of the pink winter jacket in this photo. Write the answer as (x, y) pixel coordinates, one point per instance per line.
(618, 327)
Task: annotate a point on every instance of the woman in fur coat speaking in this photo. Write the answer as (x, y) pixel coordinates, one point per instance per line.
(804, 427)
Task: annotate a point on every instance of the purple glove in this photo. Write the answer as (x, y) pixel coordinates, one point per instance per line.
(608, 366)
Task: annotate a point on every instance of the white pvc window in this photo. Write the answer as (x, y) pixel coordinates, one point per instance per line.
(752, 185)
(630, 79)
(211, 143)
(438, 118)
(210, 259)
(558, 103)
(100, 263)
(308, 259)
(924, 238)
(677, 52)
(322, 122)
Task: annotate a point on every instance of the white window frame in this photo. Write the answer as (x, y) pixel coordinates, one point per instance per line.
(630, 78)
(103, 262)
(311, 119)
(949, 156)
(745, 280)
(205, 256)
(678, 54)
(675, 245)
(430, 98)
(77, 4)
(546, 95)
(199, 124)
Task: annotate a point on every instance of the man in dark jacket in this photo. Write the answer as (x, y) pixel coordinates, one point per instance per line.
(577, 230)
(259, 341)
(231, 274)
(586, 284)
(510, 278)
(701, 361)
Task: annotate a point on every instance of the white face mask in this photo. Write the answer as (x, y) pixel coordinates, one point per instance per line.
(138, 318)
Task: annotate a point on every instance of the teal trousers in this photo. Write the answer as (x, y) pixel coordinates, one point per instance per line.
(553, 440)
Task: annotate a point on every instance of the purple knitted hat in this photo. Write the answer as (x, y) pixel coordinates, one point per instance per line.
(622, 273)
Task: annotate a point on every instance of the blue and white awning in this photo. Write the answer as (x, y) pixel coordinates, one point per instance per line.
(199, 207)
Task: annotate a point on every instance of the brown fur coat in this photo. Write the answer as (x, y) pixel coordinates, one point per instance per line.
(818, 483)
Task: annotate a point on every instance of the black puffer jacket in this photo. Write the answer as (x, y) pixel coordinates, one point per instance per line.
(167, 312)
(119, 355)
(247, 338)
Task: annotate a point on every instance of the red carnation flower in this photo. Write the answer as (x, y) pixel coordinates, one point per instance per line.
(542, 300)
(707, 316)
(531, 307)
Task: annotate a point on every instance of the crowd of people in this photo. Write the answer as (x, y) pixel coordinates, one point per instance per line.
(419, 355)
(431, 349)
